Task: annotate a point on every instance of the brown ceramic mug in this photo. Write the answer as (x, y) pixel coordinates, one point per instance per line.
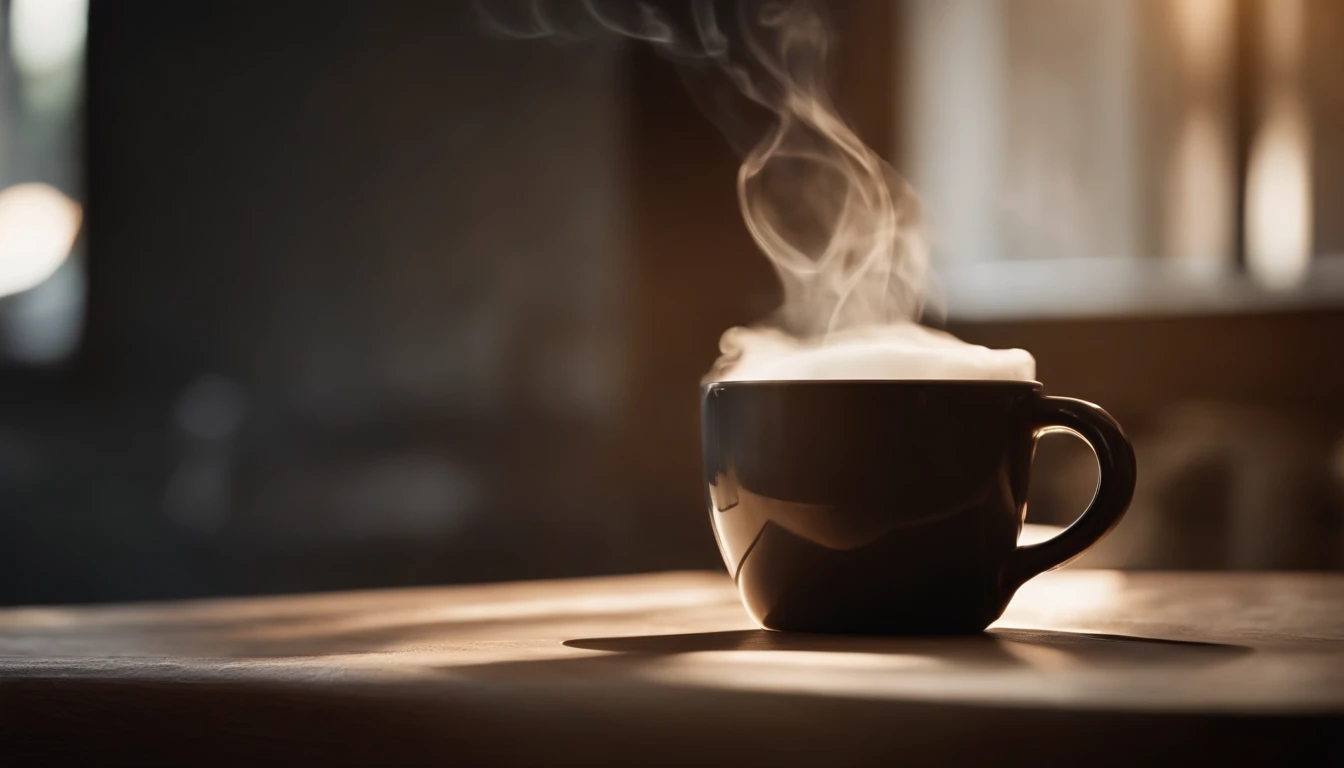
(892, 506)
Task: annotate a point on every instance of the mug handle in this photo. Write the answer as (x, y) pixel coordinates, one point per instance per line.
(1115, 484)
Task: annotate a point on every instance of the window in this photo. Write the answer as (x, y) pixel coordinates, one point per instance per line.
(1108, 156)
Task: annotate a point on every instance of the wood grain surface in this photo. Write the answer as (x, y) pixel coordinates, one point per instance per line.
(1098, 666)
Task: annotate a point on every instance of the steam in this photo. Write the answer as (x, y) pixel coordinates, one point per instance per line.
(841, 228)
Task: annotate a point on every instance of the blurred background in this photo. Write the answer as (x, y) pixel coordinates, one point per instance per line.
(317, 295)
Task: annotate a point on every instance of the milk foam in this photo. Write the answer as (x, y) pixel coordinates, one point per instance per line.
(899, 351)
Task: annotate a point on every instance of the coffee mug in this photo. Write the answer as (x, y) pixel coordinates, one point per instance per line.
(892, 507)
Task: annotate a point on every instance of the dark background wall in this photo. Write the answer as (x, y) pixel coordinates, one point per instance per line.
(357, 310)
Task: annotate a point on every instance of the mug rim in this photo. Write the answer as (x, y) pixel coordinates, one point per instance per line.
(873, 382)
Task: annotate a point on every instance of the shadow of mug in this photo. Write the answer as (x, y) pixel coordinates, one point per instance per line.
(996, 649)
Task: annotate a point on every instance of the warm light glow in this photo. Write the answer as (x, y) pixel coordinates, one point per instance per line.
(809, 659)
(47, 35)
(1042, 655)
(557, 607)
(1203, 28)
(1200, 192)
(822, 673)
(1278, 181)
(38, 225)
(1278, 201)
(1064, 600)
(578, 604)
(1033, 533)
(1199, 187)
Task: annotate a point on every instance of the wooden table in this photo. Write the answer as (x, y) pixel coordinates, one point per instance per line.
(1093, 666)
